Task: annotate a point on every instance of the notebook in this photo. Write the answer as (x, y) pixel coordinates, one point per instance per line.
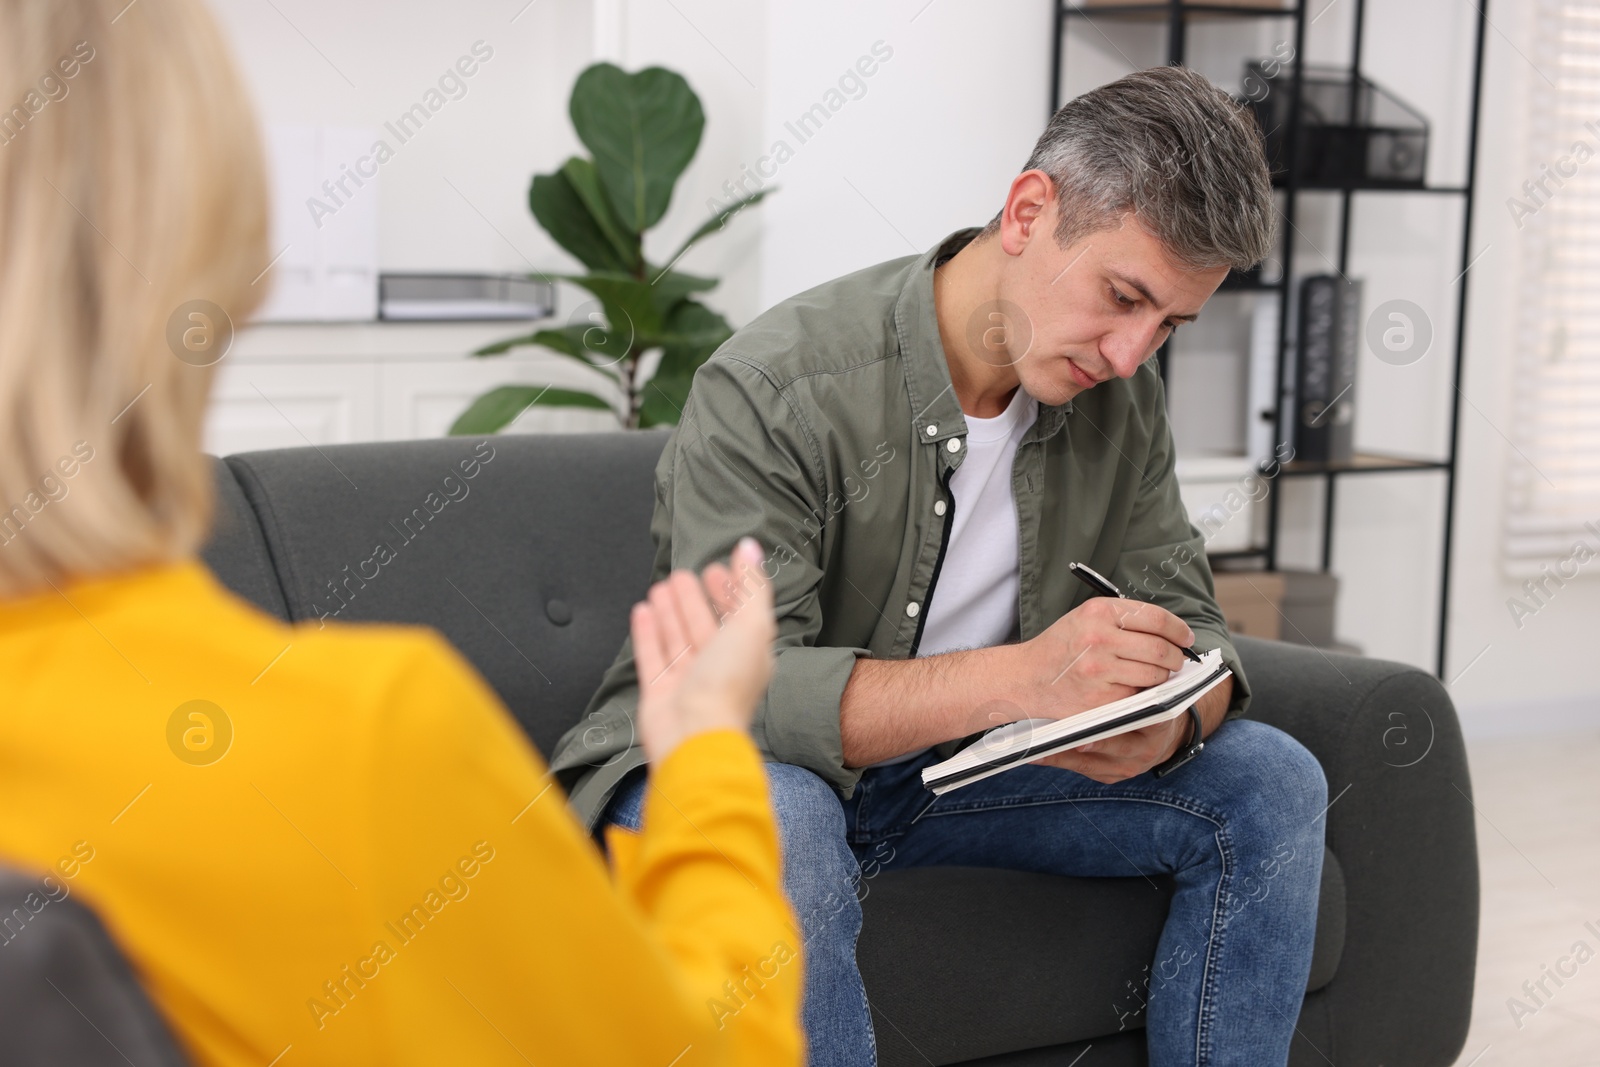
(1029, 739)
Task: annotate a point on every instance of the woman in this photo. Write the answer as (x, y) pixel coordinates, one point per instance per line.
(355, 856)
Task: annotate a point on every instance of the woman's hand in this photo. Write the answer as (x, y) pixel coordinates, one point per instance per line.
(703, 649)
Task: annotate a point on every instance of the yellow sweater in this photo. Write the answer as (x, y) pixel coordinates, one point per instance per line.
(334, 846)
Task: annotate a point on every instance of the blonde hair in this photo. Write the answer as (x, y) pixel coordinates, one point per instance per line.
(131, 184)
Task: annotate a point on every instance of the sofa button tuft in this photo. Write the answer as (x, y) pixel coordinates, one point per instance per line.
(558, 612)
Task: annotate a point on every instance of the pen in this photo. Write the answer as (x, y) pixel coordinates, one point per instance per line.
(1103, 585)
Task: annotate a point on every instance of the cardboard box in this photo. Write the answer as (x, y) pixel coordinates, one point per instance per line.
(1286, 605)
(1252, 602)
(1309, 598)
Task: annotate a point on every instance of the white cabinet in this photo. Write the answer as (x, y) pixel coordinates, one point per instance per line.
(422, 399)
(287, 386)
(284, 405)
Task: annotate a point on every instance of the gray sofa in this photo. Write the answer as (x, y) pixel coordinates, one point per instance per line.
(531, 572)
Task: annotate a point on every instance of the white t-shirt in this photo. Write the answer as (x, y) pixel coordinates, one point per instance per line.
(974, 602)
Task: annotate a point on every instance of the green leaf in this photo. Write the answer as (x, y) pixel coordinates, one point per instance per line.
(580, 173)
(638, 315)
(636, 308)
(643, 130)
(669, 290)
(663, 400)
(497, 408)
(556, 205)
(593, 342)
(719, 220)
(670, 286)
(630, 304)
(589, 343)
(693, 333)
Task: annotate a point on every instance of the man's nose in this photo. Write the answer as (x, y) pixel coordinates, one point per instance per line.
(1126, 348)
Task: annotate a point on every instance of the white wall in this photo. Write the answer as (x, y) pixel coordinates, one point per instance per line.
(720, 46)
(930, 146)
(363, 64)
(1542, 675)
(454, 198)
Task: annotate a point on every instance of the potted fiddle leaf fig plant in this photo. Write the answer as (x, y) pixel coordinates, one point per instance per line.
(642, 130)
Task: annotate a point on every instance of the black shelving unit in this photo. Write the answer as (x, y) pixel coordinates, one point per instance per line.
(1177, 16)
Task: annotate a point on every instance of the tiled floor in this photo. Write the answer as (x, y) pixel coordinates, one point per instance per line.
(1538, 804)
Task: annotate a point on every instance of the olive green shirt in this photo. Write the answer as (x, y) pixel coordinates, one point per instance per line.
(828, 429)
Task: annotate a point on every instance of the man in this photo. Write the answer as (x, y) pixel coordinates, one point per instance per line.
(922, 446)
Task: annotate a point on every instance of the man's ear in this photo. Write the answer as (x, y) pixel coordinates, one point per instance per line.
(1028, 210)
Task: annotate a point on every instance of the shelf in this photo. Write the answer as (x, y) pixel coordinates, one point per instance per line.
(1445, 190)
(1236, 554)
(1151, 12)
(1293, 18)
(1237, 283)
(1364, 463)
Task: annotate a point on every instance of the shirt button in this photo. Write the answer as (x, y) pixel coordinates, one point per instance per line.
(938, 507)
(912, 609)
(933, 429)
(954, 444)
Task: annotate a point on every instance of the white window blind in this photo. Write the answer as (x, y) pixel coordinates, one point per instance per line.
(1554, 490)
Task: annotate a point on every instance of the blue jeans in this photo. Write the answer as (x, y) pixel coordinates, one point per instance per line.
(1239, 828)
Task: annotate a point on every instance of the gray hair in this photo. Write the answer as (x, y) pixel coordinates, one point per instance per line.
(1170, 147)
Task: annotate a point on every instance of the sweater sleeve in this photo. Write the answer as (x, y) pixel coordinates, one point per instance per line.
(508, 940)
(705, 873)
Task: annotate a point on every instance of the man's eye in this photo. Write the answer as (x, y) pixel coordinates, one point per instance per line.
(1116, 295)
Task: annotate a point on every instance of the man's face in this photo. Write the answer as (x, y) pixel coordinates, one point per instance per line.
(1096, 309)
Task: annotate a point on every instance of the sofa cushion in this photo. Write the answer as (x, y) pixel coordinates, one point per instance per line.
(525, 551)
(1023, 983)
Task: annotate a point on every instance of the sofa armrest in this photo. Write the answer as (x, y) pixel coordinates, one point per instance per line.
(1401, 822)
(67, 995)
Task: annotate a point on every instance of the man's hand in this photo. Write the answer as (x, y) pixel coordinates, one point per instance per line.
(1127, 755)
(696, 673)
(1103, 650)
